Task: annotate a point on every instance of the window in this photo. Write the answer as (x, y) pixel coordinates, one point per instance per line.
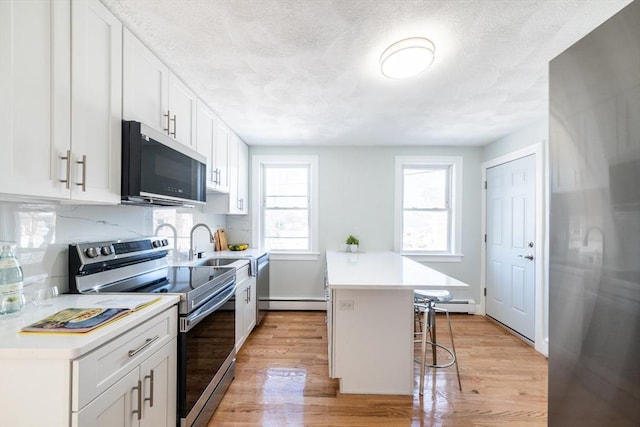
(428, 195)
(285, 215)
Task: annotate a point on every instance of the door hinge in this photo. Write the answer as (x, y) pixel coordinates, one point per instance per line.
(485, 292)
(485, 238)
(485, 185)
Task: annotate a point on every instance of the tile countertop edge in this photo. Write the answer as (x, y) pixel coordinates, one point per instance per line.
(16, 345)
(383, 270)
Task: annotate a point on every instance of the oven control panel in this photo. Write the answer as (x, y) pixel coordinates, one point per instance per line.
(93, 252)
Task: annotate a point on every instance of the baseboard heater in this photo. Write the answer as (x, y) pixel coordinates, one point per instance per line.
(298, 304)
(459, 306)
(454, 306)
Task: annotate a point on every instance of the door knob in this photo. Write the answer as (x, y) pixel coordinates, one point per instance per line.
(529, 257)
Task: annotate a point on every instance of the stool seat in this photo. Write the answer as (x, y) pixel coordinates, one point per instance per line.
(434, 295)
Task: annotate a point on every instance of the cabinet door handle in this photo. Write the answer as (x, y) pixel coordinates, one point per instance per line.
(68, 172)
(139, 410)
(168, 122)
(151, 387)
(175, 125)
(146, 344)
(83, 162)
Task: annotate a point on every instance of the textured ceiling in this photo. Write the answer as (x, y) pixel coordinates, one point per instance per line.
(306, 72)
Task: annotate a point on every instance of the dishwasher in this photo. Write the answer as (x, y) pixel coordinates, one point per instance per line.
(262, 287)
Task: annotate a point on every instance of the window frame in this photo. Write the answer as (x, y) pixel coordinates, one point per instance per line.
(454, 188)
(258, 162)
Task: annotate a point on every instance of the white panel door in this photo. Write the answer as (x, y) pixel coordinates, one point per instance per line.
(35, 97)
(96, 102)
(510, 284)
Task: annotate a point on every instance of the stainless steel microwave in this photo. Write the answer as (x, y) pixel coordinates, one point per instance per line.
(158, 170)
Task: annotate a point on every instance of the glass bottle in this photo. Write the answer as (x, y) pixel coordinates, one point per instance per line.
(11, 285)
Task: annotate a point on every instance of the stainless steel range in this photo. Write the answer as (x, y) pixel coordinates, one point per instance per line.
(206, 341)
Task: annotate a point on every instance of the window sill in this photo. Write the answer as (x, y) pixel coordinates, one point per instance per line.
(422, 257)
(294, 256)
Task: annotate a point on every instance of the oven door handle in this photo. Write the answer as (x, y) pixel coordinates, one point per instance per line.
(215, 303)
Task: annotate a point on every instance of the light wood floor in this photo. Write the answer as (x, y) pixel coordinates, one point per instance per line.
(282, 380)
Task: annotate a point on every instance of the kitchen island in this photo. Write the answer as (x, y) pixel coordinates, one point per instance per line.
(370, 319)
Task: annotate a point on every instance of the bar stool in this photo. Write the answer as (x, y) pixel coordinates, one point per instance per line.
(425, 307)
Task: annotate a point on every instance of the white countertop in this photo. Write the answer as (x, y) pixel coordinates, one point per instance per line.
(383, 270)
(14, 344)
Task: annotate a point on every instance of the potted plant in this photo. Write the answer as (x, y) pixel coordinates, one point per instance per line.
(352, 243)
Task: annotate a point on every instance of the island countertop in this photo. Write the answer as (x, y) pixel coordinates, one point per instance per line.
(382, 270)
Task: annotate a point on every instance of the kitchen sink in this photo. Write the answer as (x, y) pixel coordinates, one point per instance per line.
(219, 262)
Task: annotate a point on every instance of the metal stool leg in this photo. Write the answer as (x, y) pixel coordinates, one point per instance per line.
(453, 347)
(429, 328)
(423, 353)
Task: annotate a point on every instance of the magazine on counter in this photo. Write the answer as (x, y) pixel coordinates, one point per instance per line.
(78, 320)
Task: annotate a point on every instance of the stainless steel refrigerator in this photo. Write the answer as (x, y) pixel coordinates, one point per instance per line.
(594, 228)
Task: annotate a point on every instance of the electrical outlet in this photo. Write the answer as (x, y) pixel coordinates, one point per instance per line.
(346, 304)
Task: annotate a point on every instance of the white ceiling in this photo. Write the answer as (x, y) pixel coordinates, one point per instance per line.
(306, 72)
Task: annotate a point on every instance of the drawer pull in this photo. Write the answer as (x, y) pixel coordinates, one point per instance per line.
(146, 344)
(139, 410)
(151, 386)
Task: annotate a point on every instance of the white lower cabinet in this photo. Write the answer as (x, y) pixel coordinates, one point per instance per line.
(245, 306)
(143, 397)
(129, 380)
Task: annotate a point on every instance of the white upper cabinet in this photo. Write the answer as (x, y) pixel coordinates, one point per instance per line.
(212, 142)
(205, 138)
(153, 95)
(35, 97)
(96, 102)
(236, 202)
(182, 111)
(43, 45)
(145, 80)
(243, 178)
(221, 156)
(239, 181)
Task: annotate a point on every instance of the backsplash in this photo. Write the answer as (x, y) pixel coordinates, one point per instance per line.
(41, 233)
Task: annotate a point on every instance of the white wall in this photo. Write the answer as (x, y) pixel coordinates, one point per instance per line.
(535, 132)
(356, 189)
(43, 231)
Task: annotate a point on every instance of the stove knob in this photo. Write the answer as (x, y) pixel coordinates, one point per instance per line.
(106, 250)
(91, 252)
(156, 243)
(165, 242)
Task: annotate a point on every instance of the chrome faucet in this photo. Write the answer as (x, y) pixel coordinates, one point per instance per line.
(175, 234)
(211, 238)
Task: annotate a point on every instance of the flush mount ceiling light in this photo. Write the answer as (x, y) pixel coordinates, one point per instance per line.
(407, 57)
